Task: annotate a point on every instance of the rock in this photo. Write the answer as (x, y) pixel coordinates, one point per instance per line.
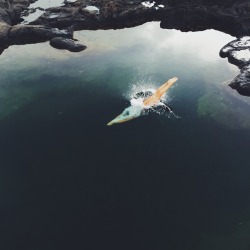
(22, 34)
(241, 83)
(4, 16)
(240, 44)
(65, 43)
(238, 53)
(4, 31)
(231, 16)
(4, 39)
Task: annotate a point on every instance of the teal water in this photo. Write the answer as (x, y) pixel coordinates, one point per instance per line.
(157, 182)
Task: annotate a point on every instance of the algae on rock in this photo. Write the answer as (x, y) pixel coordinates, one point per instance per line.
(225, 109)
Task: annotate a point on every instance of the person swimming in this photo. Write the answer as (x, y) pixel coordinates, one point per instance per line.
(143, 102)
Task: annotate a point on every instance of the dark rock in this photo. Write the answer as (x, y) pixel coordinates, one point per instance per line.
(22, 34)
(4, 16)
(241, 43)
(230, 20)
(238, 53)
(64, 43)
(242, 82)
(4, 4)
(231, 16)
(4, 36)
(4, 32)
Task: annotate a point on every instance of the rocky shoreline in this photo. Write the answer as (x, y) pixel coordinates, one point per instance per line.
(58, 23)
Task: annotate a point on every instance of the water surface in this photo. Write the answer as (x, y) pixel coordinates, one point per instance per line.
(69, 181)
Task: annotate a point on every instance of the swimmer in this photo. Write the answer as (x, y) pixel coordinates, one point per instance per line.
(151, 101)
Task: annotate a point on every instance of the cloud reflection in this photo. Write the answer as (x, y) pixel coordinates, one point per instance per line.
(204, 44)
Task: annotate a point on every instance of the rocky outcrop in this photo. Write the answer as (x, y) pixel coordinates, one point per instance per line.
(4, 32)
(57, 23)
(242, 82)
(230, 16)
(22, 34)
(13, 33)
(68, 44)
(238, 53)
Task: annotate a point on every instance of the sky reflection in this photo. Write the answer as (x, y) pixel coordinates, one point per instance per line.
(204, 45)
(119, 59)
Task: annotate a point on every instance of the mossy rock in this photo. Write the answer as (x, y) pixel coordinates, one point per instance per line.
(238, 240)
(224, 109)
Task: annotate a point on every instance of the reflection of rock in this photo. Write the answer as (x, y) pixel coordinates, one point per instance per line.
(65, 43)
(238, 53)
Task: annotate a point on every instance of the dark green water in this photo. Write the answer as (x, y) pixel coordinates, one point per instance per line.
(67, 181)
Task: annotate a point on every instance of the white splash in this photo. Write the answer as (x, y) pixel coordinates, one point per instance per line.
(140, 107)
(137, 102)
(141, 91)
(159, 6)
(148, 4)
